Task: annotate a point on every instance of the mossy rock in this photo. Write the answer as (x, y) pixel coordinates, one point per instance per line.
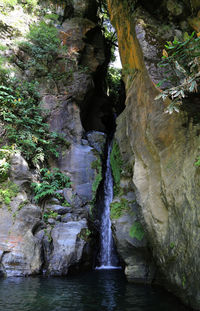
(8, 191)
(97, 166)
(116, 165)
(119, 208)
(136, 231)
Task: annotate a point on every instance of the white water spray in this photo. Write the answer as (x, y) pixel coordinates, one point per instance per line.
(108, 258)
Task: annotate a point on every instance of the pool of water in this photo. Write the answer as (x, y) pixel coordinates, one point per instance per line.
(100, 290)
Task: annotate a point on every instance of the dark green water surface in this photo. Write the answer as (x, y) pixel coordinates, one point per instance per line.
(94, 291)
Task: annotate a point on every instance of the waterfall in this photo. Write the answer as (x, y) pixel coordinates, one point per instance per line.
(108, 257)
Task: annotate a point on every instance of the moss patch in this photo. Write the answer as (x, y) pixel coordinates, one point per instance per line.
(85, 234)
(116, 165)
(8, 191)
(136, 231)
(119, 208)
(5, 154)
(97, 165)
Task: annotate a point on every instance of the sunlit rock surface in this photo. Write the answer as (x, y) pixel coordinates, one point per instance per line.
(164, 147)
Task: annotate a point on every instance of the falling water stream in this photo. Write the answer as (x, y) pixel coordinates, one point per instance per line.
(108, 257)
(104, 289)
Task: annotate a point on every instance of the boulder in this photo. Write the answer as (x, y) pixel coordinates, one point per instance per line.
(97, 140)
(21, 251)
(19, 171)
(68, 246)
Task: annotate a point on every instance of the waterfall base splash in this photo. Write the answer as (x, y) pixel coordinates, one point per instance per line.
(108, 268)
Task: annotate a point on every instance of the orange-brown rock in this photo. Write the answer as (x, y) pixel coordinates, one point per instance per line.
(165, 148)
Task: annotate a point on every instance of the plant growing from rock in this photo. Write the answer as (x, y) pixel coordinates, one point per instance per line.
(136, 231)
(116, 165)
(114, 81)
(25, 126)
(119, 208)
(49, 214)
(43, 47)
(51, 182)
(5, 154)
(97, 165)
(8, 191)
(181, 59)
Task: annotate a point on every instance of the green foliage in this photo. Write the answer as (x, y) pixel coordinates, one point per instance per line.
(97, 165)
(107, 29)
(51, 16)
(8, 3)
(116, 165)
(197, 163)
(182, 63)
(22, 204)
(29, 5)
(49, 214)
(24, 123)
(136, 231)
(114, 84)
(47, 233)
(183, 281)
(172, 245)
(5, 154)
(85, 234)
(119, 208)
(8, 191)
(4, 72)
(65, 203)
(43, 47)
(51, 182)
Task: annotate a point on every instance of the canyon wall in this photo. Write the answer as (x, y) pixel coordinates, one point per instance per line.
(162, 148)
(53, 235)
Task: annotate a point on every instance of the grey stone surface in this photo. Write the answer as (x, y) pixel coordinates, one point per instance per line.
(68, 217)
(97, 140)
(61, 210)
(67, 246)
(19, 171)
(132, 250)
(20, 249)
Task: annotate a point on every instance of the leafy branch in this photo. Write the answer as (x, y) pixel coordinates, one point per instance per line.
(181, 59)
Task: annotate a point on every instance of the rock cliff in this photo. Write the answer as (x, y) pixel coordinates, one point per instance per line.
(162, 148)
(155, 211)
(52, 234)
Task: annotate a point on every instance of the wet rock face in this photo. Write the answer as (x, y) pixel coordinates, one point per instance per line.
(131, 242)
(164, 150)
(127, 224)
